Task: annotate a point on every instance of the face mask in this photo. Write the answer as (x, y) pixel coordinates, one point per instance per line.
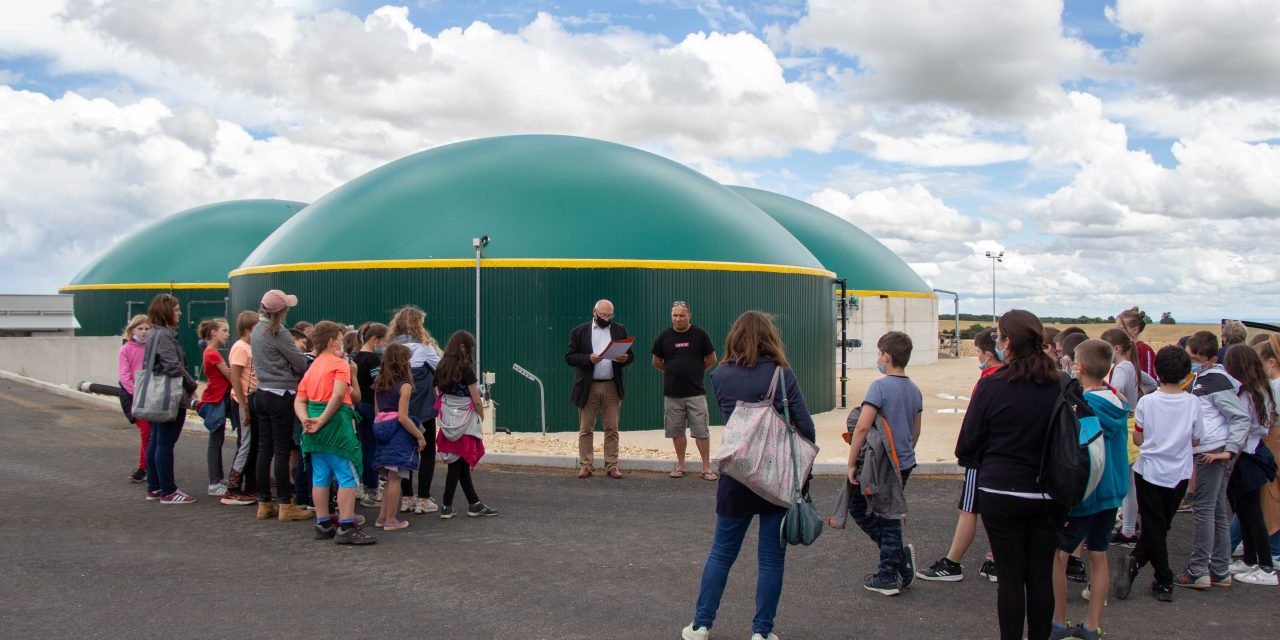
(602, 323)
(139, 339)
(983, 366)
(880, 368)
(380, 350)
(1197, 367)
(1000, 353)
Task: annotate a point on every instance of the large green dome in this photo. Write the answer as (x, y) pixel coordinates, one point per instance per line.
(196, 246)
(841, 247)
(550, 200)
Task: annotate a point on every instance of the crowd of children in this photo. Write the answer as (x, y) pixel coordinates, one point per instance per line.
(323, 407)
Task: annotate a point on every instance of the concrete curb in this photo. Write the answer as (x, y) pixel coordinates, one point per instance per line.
(656, 465)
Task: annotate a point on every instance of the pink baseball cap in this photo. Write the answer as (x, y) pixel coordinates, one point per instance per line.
(276, 300)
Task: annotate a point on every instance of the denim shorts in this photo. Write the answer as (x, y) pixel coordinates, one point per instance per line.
(325, 467)
(1094, 529)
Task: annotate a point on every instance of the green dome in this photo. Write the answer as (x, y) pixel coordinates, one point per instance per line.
(839, 245)
(550, 199)
(196, 246)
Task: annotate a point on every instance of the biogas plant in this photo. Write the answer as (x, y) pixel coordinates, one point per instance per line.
(518, 237)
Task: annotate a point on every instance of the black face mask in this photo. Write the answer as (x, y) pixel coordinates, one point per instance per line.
(601, 322)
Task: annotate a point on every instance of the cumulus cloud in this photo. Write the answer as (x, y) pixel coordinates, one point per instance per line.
(1076, 134)
(988, 57)
(76, 174)
(1203, 49)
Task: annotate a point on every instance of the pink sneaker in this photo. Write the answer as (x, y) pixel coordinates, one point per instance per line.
(177, 497)
(393, 525)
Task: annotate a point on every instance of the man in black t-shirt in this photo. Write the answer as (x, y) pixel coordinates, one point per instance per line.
(684, 353)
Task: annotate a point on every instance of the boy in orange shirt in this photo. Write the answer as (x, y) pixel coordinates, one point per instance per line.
(329, 436)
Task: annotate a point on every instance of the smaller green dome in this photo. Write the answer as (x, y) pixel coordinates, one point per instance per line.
(840, 246)
(196, 246)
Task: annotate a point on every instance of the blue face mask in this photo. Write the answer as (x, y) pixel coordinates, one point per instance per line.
(880, 368)
(380, 350)
(1000, 352)
(1197, 367)
(139, 339)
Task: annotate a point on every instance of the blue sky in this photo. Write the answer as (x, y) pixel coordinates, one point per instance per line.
(1100, 144)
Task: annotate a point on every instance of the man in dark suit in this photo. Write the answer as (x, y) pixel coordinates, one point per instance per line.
(598, 388)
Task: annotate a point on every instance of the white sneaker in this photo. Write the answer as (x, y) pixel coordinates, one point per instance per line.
(1260, 576)
(406, 505)
(426, 506)
(1238, 567)
(756, 636)
(690, 633)
(1238, 552)
(1085, 594)
(219, 489)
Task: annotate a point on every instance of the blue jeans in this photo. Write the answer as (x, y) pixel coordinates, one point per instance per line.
(1236, 537)
(724, 550)
(164, 435)
(368, 477)
(885, 532)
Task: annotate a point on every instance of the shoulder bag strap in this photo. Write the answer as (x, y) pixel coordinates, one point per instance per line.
(791, 430)
(150, 354)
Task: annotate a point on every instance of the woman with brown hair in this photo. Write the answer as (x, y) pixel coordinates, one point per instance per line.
(1004, 430)
(170, 361)
(753, 351)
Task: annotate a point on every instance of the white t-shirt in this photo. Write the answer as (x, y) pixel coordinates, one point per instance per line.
(1168, 422)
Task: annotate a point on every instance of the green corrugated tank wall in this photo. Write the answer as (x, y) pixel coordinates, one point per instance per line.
(572, 220)
(187, 254)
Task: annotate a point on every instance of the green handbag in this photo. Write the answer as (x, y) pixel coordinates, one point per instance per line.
(801, 524)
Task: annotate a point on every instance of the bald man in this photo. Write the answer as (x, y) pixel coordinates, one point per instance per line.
(598, 388)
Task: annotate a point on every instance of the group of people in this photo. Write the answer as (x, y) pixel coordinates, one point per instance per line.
(1187, 428)
(315, 407)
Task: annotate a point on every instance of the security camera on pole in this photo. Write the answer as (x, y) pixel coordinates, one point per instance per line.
(995, 257)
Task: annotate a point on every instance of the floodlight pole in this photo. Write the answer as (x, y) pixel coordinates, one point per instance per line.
(994, 257)
(478, 244)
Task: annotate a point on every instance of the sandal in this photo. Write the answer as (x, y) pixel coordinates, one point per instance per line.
(710, 475)
(678, 474)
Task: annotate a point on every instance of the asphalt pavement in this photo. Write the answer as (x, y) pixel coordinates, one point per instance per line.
(85, 556)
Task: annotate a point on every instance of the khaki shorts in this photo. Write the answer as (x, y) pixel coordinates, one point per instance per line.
(679, 412)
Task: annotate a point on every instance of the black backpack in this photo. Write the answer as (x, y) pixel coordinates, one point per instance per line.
(1070, 468)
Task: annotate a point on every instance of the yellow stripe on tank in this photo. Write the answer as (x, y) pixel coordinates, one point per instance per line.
(144, 285)
(583, 263)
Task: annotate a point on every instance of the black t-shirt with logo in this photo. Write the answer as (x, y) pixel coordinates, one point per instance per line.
(683, 355)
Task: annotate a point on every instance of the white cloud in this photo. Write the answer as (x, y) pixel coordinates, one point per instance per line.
(1075, 134)
(988, 56)
(943, 150)
(1202, 49)
(76, 174)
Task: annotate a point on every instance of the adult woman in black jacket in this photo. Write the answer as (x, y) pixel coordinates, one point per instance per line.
(170, 361)
(753, 351)
(1004, 431)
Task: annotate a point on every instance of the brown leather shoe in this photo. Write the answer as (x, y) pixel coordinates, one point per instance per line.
(584, 472)
(266, 510)
(615, 474)
(290, 512)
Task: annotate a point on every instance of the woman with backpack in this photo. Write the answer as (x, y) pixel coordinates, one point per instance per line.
(1004, 430)
(753, 351)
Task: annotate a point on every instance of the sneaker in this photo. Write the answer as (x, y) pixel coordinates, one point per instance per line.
(1264, 576)
(1122, 584)
(1238, 567)
(425, 505)
(907, 567)
(1075, 570)
(369, 501)
(395, 525)
(1237, 552)
(140, 475)
(326, 530)
(406, 505)
(1191, 580)
(1162, 592)
(988, 570)
(943, 570)
(353, 535)
(695, 633)
(152, 496)
(480, 510)
(1184, 507)
(1086, 594)
(886, 587)
(1057, 632)
(1086, 634)
(447, 512)
(236, 499)
(177, 497)
(1221, 581)
(219, 489)
(771, 636)
(1119, 539)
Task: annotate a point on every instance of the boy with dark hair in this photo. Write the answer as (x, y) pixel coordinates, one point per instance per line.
(1168, 425)
(1226, 426)
(1069, 345)
(898, 403)
(948, 567)
(1090, 521)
